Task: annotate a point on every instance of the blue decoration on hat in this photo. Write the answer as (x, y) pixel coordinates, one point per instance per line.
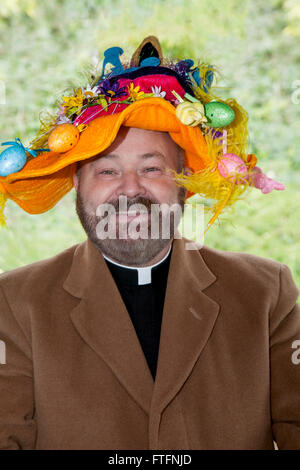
(150, 62)
(14, 157)
(196, 76)
(112, 56)
(205, 83)
(209, 76)
(183, 66)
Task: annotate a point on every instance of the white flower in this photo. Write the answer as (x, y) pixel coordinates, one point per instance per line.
(88, 91)
(157, 92)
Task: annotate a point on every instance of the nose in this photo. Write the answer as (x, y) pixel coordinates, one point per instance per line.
(131, 185)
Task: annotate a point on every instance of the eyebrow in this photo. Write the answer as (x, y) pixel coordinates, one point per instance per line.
(144, 155)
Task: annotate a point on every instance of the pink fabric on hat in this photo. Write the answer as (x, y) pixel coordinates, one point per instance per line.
(166, 83)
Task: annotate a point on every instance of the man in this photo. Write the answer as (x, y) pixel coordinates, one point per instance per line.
(134, 342)
(134, 166)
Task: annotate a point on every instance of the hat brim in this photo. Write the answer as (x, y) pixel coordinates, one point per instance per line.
(45, 179)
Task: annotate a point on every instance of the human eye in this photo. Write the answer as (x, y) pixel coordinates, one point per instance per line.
(107, 172)
(152, 170)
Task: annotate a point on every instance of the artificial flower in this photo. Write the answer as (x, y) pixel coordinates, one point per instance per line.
(111, 90)
(134, 93)
(90, 92)
(191, 114)
(73, 101)
(157, 93)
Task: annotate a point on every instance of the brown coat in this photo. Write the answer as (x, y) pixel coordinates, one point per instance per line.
(76, 378)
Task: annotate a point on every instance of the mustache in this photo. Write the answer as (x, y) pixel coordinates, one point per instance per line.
(125, 204)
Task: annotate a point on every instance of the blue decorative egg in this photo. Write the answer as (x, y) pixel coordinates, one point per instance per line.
(12, 160)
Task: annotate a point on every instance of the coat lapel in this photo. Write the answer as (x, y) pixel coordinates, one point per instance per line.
(188, 319)
(105, 325)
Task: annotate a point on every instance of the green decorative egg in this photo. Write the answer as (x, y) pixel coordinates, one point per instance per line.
(218, 114)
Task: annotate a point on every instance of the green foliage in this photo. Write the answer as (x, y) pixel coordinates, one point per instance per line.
(47, 48)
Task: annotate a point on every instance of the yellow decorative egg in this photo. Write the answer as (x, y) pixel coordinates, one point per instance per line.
(63, 138)
(190, 114)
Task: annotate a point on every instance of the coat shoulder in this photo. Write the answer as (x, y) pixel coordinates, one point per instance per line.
(239, 260)
(249, 279)
(243, 270)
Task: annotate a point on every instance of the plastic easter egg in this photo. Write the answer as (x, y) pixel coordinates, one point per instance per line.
(63, 138)
(231, 166)
(12, 160)
(218, 114)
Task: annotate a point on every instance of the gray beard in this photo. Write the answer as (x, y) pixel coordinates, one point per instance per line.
(132, 252)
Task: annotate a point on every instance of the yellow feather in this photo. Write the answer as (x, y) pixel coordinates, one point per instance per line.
(208, 182)
(3, 199)
(48, 122)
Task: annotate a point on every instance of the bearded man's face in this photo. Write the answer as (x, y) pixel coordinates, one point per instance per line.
(133, 170)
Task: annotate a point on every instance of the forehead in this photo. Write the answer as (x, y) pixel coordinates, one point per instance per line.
(139, 141)
(136, 143)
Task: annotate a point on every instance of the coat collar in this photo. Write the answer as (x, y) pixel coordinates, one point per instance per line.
(105, 325)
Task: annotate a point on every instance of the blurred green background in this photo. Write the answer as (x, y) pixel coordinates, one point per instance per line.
(45, 46)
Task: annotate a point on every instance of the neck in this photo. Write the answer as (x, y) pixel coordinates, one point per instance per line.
(162, 254)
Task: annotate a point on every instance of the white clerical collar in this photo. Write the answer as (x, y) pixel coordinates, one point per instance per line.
(144, 273)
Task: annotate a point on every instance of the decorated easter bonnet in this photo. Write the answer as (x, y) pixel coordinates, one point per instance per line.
(149, 92)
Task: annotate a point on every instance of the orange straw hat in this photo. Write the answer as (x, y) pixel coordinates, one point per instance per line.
(149, 93)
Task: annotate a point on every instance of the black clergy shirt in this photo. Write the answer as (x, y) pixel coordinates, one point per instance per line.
(144, 303)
